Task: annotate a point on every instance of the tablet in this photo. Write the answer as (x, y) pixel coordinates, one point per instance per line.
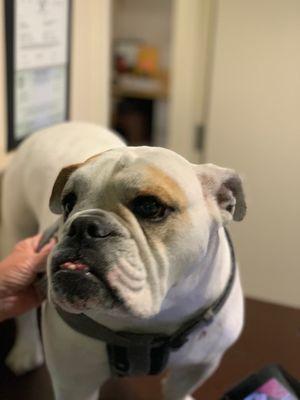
(271, 383)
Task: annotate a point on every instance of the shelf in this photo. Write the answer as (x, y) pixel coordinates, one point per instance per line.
(130, 85)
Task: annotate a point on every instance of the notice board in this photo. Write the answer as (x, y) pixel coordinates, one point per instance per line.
(38, 65)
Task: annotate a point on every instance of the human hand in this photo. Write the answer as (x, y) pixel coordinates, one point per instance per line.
(18, 271)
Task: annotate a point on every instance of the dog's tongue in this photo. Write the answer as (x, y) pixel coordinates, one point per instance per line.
(74, 266)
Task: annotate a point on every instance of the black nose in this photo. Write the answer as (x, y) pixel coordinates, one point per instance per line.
(88, 227)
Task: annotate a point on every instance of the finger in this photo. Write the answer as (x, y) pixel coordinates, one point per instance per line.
(35, 240)
(39, 260)
(29, 243)
(16, 305)
(48, 246)
(42, 243)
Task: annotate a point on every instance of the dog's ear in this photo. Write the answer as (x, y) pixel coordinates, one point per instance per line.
(61, 180)
(223, 191)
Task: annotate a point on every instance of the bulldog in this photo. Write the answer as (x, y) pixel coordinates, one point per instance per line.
(141, 249)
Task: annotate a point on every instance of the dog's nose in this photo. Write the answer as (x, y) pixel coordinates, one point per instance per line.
(88, 227)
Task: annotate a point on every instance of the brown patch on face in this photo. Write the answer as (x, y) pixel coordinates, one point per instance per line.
(149, 180)
(164, 187)
(159, 184)
(152, 181)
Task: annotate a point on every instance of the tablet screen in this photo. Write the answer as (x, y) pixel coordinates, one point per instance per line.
(271, 390)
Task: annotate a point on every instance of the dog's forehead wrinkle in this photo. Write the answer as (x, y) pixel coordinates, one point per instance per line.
(141, 162)
(109, 163)
(125, 156)
(97, 171)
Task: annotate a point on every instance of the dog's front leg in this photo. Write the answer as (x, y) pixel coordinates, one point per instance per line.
(26, 353)
(78, 365)
(185, 379)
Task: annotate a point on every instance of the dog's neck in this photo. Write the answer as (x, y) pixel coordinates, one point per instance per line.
(206, 282)
(198, 290)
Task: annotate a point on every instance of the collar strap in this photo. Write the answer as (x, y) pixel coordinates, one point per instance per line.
(147, 353)
(206, 316)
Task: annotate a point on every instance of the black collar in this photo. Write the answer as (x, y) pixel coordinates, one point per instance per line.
(136, 353)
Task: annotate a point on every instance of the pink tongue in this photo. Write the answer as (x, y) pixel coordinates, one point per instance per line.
(74, 266)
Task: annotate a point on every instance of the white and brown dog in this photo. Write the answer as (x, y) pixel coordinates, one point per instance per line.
(141, 248)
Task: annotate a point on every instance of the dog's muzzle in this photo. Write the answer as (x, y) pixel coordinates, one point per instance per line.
(82, 259)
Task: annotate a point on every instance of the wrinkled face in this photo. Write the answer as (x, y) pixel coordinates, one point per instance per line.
(135, 221)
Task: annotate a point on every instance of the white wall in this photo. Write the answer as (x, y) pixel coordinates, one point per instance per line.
(254, 126)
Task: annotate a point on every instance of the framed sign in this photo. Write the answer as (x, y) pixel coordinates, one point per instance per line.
(38, 64)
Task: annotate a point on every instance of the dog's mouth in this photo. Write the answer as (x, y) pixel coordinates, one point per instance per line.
(77, 282)
(75, 266)
(78, 267)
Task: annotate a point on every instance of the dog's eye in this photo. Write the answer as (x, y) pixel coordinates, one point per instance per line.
(149, 207)
(68, 203)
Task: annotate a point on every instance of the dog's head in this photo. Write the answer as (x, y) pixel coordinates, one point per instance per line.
(134, 223)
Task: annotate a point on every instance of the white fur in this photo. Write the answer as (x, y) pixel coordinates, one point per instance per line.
(76, 362)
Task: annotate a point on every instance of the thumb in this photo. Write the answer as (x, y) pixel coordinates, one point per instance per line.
(39, 260)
